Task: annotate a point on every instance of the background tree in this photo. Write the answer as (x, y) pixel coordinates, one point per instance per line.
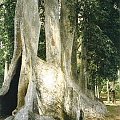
(99, 54)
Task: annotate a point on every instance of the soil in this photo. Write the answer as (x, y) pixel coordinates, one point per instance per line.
(113, 112)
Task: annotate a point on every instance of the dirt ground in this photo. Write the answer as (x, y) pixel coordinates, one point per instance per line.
(113, 111)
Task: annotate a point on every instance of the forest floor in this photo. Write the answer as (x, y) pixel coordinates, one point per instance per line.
(113, 111)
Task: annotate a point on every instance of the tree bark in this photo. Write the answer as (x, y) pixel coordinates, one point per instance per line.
(27, 28)
(44, 89)
(83, 79)
(74, 59)
(52, 32)
(68, 22)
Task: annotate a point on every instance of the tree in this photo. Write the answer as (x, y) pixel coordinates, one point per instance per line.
(99, 53)
(52, 32)
(21, 51)
(68, 29)
(45, 89)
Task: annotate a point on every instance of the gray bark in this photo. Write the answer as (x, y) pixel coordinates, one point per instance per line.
(44, 89)
(83, 78)
(29, 31)
(52, 32)
(51, 86)
(74, 59)
(68, 22)
(27, 28)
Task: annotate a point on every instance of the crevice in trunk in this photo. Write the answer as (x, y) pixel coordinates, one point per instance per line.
(8, 102)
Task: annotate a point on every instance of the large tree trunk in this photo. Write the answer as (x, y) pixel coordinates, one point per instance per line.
(27, 27)
(43, 88)
(75, 100)
(37, 79)
(29, 35)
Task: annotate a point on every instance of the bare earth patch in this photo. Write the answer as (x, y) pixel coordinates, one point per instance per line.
(113, 111)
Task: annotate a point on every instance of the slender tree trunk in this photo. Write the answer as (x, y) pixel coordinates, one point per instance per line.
(74, 60)
(68, 22)
(119, 76)
(83, 69)
(29, 32)
(74, 53)
(52, 32)
(98, 93)
(6, 69)
(113, 92)
(108, 92)
(68, 27)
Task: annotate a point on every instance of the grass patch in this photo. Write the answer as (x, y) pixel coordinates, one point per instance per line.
(113, 113)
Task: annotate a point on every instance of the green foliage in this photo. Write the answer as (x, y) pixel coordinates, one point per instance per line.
(42, 42)
(1, 66)
(2, 48)
(9, 26)
(99, 27)
(7, 13)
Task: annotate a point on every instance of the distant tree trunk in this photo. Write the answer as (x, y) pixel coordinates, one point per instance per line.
(74, 51)
(6, 69)
(108, 91)
(113, 92)
(74, 60)
(119, 76)
(83, 69)
(97, 91)
(52, 32)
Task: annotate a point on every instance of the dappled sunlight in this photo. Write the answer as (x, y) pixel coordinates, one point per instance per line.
(113, 112)
(117, 103)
